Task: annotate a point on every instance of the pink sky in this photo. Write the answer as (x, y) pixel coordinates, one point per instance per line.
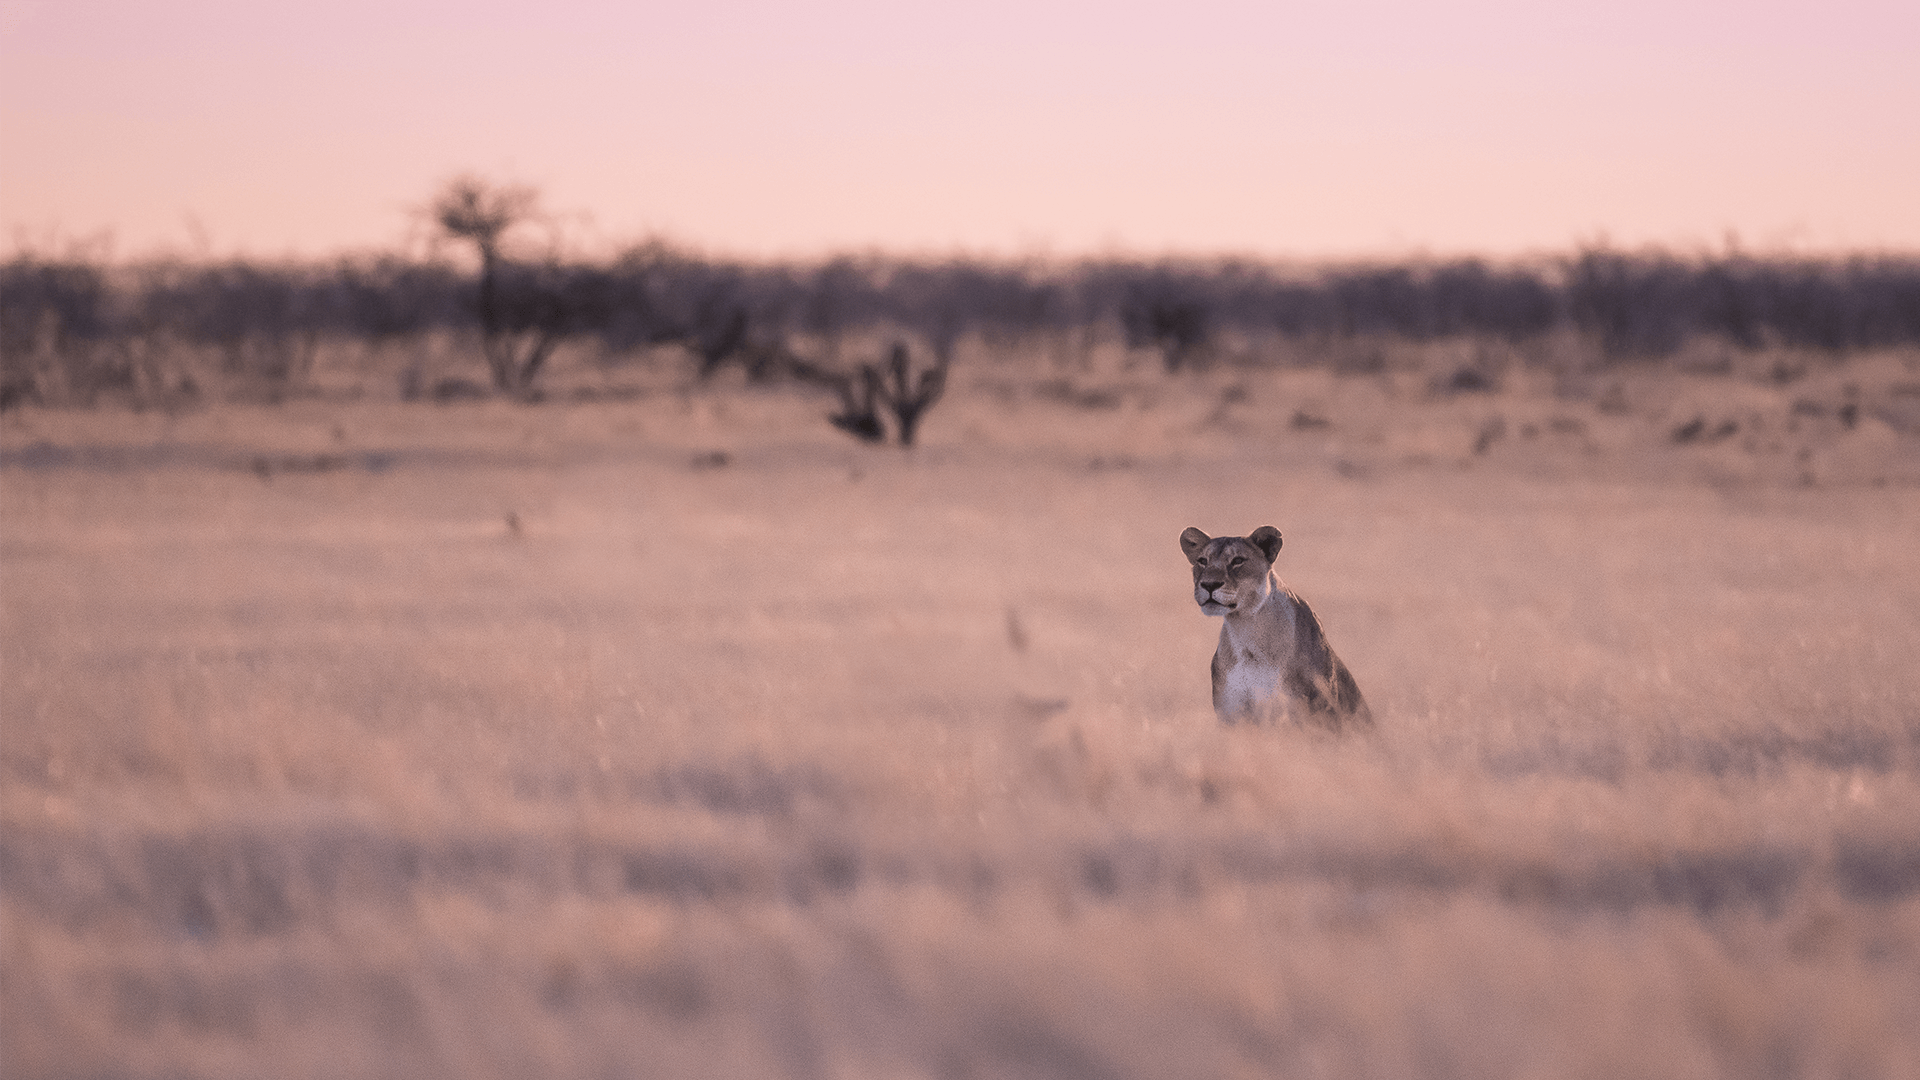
(1382, 127)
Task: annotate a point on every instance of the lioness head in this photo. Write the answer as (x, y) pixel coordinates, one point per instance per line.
(1230, 570)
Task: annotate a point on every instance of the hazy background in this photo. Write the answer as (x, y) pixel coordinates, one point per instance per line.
(426, 662)
(1375, 128)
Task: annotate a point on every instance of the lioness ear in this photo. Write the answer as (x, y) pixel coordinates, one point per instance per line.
(1267, 539)
(1192, 541)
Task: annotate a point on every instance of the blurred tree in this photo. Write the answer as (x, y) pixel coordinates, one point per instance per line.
(52, 312)
(1168, 308)
(523, 315)
(865, 390)
(910, 398)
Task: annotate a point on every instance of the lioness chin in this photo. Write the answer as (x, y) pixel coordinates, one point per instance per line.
(1273, 661)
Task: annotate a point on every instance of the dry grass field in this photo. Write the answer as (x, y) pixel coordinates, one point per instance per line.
(672, 734)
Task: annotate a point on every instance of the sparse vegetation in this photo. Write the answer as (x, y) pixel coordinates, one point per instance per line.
(74, 331)
(870, 387)
(345, 736)
(360, 739)
(523, 312)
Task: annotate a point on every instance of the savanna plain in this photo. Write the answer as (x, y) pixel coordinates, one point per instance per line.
(668, 732)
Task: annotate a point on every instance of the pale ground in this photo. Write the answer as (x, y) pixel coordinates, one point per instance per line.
(358, 739)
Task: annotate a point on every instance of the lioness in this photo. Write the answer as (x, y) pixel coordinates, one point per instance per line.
(1272, 653)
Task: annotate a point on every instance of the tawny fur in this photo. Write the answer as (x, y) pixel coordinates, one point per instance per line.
(1273, 661)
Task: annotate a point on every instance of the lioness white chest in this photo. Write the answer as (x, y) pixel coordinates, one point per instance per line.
(1256, 648)
(1248, 686)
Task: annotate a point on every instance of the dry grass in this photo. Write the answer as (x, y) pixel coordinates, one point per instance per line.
(377, 740)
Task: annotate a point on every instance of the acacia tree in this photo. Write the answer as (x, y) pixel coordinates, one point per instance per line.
(521, 319)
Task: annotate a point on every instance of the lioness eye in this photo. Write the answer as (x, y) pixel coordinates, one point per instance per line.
(1237, 560)
(1203, 561)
